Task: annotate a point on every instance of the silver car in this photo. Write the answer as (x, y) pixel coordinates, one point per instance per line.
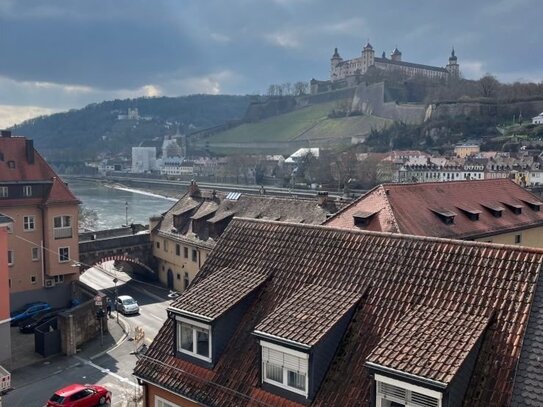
(127, 305)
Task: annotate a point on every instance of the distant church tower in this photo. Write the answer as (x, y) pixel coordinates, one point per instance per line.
(334, 63)
(452, 66)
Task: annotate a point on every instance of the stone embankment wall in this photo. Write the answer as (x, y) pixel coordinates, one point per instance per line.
(493, 108)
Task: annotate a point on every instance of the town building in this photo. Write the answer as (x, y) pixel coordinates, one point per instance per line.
(143, 159)
(43, 242)
(464, 150)
(183, 237)
(498, 211)
(6, 223)
(287, 314)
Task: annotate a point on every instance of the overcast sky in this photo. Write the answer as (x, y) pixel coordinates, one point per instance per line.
(61, 54)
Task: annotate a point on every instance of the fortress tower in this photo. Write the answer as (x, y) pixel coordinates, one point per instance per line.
(396, 55)
(452, 66)
(334, 64)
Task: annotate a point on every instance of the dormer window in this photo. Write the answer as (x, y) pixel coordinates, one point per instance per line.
(495, 210)
(27, 190)
(194, 338)
(534, 205)
(516, 209)
(445, 215)
(284, 367)
(361, 219)
(472, 214)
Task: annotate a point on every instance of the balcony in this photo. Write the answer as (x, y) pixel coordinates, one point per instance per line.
(62, 233)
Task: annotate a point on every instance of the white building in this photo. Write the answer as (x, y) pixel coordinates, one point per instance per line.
(301, 153)
(143, 159)
(538, 119)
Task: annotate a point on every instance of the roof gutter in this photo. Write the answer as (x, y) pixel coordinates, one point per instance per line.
(405, 375)
(169, 391)
(282, 340)
(499, 232)
(189, 314)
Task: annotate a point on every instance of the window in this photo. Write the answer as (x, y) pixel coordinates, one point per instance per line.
(186, 280)
(35, 253)
(391, 392)
(158, 245)
(27, 190)
(285, 368)
(178, 276)
(28, 223)
(33, 279)
(63, 254)
(194, 338)
(518, 239)
(194, 255)
(11, 257)
(186, 252)
(160, 402)
(58, 279)
(62, 227)
(177, 250)
(3, 192)
(165, 245)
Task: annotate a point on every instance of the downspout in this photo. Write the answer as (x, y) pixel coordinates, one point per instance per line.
(42, 247)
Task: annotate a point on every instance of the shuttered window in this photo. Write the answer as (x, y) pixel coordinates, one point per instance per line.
(285, 368)
(404, 396)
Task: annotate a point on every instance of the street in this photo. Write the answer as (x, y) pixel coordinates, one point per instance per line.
(113, 369)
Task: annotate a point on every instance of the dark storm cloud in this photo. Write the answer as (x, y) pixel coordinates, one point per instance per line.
(77, 51)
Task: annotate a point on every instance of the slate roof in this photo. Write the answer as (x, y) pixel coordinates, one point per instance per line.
(409, 208)
(14, 149)
(411, 65)
(308, 315)
(228, 286)
(410, 346)
(394, 273)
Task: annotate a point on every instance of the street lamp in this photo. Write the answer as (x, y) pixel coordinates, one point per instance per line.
(126, 212)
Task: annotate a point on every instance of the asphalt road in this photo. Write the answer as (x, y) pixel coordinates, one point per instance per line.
(114, 368)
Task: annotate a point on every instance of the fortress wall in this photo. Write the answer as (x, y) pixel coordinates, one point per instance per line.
(491, 108)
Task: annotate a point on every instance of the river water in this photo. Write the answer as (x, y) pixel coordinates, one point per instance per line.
(114, 206)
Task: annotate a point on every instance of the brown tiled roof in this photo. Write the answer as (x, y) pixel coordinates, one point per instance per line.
(308, 315)
(409, 208)
(430, 343)
(217, 293)
(395, 273)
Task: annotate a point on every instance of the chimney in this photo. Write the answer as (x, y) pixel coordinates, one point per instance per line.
(193, 189)
(6, 133)
(29, 147)
(322, 197)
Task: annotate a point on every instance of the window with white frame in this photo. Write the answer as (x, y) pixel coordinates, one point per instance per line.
(27, 190)
(35, 253)
(3, 192)
(160, 402)
(194, 338)
(29, 223)
(285, 368)
(11, 257)
(391, 392)
(62, 227)
(63, 254)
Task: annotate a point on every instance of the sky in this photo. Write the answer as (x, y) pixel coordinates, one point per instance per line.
(56, 55)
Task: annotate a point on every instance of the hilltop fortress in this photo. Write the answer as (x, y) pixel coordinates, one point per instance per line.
(346, 73)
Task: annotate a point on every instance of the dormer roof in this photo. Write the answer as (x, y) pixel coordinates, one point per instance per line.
(209, 298)
(429, 343)
(307, 316)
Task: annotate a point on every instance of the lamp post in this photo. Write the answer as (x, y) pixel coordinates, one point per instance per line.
(126, 212)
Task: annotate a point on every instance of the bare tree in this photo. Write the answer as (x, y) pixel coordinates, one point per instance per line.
(488, 86)
(301, 88)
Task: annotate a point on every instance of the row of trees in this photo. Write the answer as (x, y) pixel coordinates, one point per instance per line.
(288, 89)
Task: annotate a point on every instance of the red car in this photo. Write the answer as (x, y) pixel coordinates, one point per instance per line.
(79, 395)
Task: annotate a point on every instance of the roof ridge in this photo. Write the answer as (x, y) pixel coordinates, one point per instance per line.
(354, 202)
(468, 243)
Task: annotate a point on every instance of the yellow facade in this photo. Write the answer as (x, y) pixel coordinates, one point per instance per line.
(467, 150)
(532, 237)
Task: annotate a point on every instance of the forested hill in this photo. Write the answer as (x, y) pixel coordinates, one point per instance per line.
(84, 133)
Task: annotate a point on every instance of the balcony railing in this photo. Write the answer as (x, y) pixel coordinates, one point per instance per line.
(62, 233)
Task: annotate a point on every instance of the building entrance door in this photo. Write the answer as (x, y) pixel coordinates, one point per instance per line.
(170, 279)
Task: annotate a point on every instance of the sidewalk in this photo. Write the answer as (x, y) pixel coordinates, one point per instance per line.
(45, 367)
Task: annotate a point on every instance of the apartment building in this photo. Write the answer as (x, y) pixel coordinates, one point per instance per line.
(43, 240)
(6, 223)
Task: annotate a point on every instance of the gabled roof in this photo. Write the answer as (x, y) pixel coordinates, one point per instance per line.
(60, 193)
(394, 273)
(430, 342)
(308, 316)
(410, 208)
(228, 286)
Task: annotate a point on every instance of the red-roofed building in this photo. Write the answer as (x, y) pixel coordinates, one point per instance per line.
(43, 240)
(6, 224)
(495, 210)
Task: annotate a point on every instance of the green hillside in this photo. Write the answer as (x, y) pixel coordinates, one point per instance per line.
(309, 124)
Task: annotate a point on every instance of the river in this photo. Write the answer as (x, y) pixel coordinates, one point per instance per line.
(114, 206)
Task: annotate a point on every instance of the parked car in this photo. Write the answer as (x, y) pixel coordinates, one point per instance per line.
(27, 311)
(27, 326)
(127, 305)
(80, 395)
